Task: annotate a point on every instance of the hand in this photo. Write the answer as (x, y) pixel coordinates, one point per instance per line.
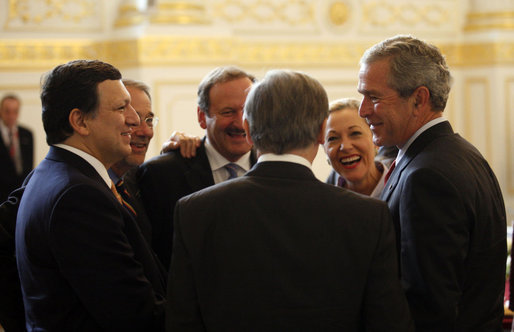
(187, 144)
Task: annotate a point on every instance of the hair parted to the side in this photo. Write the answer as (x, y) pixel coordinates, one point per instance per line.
(413, 63)
(69, 86)
(215, 76)
(285, 111)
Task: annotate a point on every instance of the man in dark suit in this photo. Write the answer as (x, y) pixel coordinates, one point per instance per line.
(444, 198)
(123, 173)
(16, 147)
(277, 249)
(83, 263)
(168, 177)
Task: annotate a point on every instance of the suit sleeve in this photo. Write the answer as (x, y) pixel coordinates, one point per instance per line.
(183, 310)
(434, 245)
(97, 258)
(156, 197)
(385, 306)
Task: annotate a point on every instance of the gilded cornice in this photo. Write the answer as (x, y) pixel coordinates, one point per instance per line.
(170, 51)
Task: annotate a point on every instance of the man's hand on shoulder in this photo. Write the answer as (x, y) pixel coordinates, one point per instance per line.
(186, 142)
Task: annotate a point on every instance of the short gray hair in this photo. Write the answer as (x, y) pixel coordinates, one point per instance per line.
(413, 63)
(218, 75)
(285, 111)
(138, 85)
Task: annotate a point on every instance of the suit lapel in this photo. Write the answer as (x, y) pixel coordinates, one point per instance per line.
(419, 144)
(198, 170)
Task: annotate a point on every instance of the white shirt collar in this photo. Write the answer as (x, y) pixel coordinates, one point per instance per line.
(292, 158)
(97, 165)
(217, 161)
(427, 125)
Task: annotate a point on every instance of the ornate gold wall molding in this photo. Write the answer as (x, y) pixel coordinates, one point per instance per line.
(490, 21)
(53, 15)
(380, 14)
(170, 50)
(180, 12)
(288, 12)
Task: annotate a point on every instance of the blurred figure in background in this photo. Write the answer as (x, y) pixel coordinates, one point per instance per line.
(16, 147)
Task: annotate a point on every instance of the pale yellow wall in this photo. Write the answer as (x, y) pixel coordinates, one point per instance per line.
(171, 44)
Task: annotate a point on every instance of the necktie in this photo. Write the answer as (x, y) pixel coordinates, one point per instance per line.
(232, 170)
(12, 150)
(393, 165)
(116, 194)
(126, 197)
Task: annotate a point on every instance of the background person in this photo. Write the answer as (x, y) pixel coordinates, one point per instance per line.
(16, 147)
(445, 200)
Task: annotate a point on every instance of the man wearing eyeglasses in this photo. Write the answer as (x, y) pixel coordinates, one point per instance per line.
(167, 178)
(123, 172)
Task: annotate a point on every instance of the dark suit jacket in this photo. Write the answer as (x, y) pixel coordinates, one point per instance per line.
(451, 230)
(163, 180)
(278, 250)
(83, 262)
(12, 314)
(142, 219)
(9, 179)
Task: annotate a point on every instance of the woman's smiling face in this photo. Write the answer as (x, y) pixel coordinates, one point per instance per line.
(349, 145)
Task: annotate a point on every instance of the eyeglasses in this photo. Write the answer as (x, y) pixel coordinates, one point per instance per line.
(151, 121)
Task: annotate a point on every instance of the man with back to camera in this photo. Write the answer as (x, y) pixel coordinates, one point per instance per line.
(446, 203)
(16, 147)
(168, 177)
(277, 249)
(82, 260)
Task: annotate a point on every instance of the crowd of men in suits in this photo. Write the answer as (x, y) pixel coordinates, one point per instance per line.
(242, 236)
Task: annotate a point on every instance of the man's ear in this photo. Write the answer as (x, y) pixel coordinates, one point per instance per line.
(201, 117)
(78, 122)
(246, 127)
(421, 99)
(321, 135)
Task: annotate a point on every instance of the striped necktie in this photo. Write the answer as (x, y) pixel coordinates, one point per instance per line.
(232, 170)
(126, 197)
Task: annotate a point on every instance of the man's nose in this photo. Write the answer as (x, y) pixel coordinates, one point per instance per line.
(131, 117)
(365, 108)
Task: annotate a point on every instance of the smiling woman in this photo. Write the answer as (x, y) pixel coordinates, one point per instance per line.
(350, 150)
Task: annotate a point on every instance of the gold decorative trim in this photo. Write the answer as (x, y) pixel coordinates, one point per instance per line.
(490, 21)
(484, 83)
(32, 54)
(338, 13)
(179, 13)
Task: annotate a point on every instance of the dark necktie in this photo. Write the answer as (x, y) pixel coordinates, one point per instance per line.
(232, 170)
(12, 150)
(393, 165)
(126, 197)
